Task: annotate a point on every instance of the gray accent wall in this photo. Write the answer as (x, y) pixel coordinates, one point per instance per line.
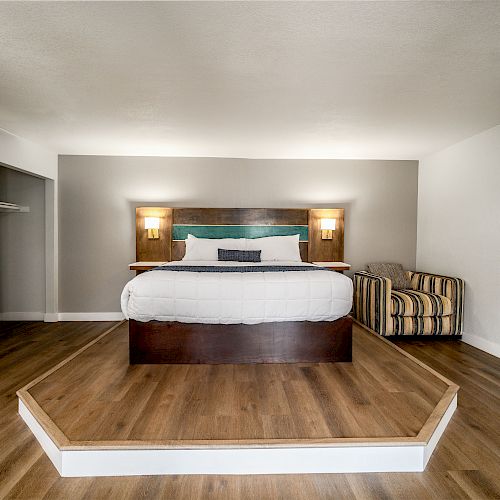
(99, 194)
(22, 247)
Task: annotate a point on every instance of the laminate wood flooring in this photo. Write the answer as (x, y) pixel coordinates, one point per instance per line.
(465, 463)
(98, 396)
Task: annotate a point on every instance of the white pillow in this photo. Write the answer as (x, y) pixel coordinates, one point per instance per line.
(207, 248)
(285, 248)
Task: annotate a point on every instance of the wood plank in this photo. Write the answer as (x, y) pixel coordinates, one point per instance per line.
(29, 474)
(145, 266)
(316, 248)
(243, 216)
(256, 399)
(157, 342)
(326, 250)
(154, 249)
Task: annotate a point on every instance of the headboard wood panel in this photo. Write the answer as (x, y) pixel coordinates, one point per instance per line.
(326, 250)
(153, 250)
(307, 221)
(241, 216)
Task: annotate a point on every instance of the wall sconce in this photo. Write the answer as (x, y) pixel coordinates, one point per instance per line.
(152, 224)
(327, 228)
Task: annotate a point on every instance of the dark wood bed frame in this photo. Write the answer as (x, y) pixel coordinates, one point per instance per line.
(158, 342)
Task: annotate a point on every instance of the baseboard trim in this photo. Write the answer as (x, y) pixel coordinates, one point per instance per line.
(91, 316)
(54, 317)
(482, 344)
(22, 316)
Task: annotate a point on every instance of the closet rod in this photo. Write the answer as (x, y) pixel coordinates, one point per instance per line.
(12, 207)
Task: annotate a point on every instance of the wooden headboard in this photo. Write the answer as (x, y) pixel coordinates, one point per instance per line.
(176, 223)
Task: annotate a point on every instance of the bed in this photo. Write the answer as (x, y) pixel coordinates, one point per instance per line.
(276, 310)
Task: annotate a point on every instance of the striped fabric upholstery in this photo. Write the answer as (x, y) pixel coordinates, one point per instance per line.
(372, 302)
(434, 306)
(422, 325)
(414, 303)
(453, 288)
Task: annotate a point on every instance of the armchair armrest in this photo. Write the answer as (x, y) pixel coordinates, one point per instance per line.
(453, 288)
(372, 301)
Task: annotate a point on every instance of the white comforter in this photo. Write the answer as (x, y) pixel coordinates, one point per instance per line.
(225, 298)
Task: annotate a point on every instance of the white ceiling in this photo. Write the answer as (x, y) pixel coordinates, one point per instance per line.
(250, 79)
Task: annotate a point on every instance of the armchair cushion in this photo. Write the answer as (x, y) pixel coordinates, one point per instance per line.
(414, 303)
(422, 325)
(395, 272)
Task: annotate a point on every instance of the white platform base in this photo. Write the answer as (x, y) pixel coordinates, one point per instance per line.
(337, 458)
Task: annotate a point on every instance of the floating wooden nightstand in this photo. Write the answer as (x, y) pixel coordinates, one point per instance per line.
(140, 267)
(334, 266)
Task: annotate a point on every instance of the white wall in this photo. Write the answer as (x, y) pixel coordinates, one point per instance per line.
(27, 156)
(459, 228)
(98, 196)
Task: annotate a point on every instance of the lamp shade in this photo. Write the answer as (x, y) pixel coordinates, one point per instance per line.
(328, 224)
(151, 223)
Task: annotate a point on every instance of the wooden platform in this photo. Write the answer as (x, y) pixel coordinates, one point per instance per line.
(385, 400)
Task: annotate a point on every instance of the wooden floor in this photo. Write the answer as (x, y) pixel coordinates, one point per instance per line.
(464, 465)
(98, 396)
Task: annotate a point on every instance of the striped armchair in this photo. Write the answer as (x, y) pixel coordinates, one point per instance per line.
(433, 305)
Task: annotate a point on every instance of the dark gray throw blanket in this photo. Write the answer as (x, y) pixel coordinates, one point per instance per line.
(238, 269)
